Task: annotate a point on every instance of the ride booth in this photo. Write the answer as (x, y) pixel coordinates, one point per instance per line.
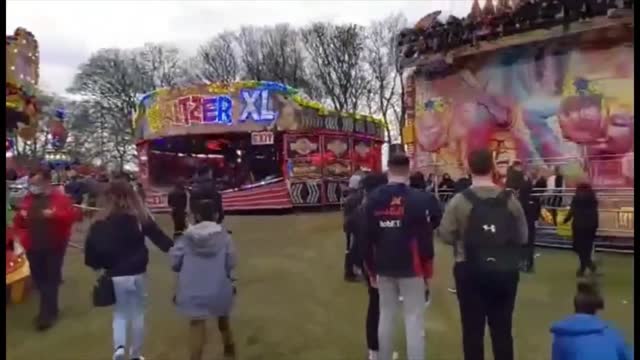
(268, 146)
(555, 97)
(21, 123)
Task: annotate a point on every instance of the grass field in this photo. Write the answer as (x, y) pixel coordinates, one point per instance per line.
(293, 305)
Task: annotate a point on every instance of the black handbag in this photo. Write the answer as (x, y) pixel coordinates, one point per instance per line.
(103, 292)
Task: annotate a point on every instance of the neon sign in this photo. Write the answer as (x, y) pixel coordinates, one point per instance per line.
(196, 109)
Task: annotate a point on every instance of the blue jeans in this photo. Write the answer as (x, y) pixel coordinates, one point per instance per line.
(129, 308)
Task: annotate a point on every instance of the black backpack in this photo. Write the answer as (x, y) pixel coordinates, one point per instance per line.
(491, 236)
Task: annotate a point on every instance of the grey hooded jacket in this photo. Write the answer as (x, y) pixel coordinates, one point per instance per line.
(204, 258)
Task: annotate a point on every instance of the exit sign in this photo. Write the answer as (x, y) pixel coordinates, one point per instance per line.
(262, 138)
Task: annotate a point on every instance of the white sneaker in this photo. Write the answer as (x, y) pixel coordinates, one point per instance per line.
(373, 355)
(119, 354)
(395, 355)
(452, 290)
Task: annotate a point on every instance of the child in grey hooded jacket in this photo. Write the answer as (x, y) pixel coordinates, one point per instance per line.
(204, 258)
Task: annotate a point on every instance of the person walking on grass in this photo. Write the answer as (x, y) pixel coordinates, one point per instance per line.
(584, 335)
(177, 201)
(351, 204)
(116, 244)
(205, 248)
(42, 226)
(369, 184)
(584, 213)
(399, 254)
(487, 228)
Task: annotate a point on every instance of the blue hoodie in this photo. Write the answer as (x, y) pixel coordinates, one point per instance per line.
(587, 337)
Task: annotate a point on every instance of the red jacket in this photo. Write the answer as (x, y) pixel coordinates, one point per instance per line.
(63, 217)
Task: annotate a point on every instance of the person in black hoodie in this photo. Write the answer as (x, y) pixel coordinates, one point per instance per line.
(177, 201)
(584, 213)
(204, 187)
(351, 204)
(116, 244)
(399, 254)
(369, 184)
(417, 181)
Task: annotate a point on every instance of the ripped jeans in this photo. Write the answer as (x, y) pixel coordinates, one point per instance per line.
(129, 309)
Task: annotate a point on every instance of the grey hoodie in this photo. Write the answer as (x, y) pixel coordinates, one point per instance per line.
(204, 258)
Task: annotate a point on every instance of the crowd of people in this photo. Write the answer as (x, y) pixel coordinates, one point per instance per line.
(115, 247)
(391, 221)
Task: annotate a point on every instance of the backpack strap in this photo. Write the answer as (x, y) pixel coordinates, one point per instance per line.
(471, 196)
(505, 195)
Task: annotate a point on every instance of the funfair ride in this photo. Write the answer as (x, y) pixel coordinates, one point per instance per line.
(22, 74)
(551, 86)
(269, 146)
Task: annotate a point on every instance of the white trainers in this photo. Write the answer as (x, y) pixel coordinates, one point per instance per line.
(119, 354)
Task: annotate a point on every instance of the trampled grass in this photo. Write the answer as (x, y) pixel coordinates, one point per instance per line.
(293, 305)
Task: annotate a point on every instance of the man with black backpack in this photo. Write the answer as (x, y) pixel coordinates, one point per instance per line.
(487, 228)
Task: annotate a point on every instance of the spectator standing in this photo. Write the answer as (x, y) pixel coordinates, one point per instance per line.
(177, 201)
(75, 188)
(204, 187)
(446, 183)
(116, 244)
(351, 204)
(584, 335)
(555, 184)
(205, 248)
(417, 181)
(487, 228)
(463, 183)
(430, 183)
(584, 213)
(370, 183)
(399, 254)
(43, 227)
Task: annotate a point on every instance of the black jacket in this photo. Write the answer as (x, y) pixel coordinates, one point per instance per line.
(204, 188)
(177, 200)
(399, 230)
(350, 207)
(117, 244)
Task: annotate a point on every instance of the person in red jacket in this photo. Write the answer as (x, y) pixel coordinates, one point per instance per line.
(42, 224)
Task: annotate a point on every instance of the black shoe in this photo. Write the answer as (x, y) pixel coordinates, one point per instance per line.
(350, 278)
(44, 324)
(229, 352)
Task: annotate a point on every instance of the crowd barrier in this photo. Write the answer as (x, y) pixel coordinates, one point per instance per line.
(616, 217)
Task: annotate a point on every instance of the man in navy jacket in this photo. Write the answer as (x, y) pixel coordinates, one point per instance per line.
(399, 254)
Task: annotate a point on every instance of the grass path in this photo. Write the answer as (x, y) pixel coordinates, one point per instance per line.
(293, 305)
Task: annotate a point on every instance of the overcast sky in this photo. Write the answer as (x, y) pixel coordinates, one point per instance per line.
(69, 31)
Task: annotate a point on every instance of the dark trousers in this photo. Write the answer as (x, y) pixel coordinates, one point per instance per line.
(373, 316)
(348, 256)
(530, 247)
(179, 222)
(583, 245)
(46, 273)
(486, 299)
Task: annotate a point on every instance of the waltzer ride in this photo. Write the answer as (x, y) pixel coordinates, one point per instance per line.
(269, 147)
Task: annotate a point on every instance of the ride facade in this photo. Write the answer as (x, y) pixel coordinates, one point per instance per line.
(269, 146)
(555, 94)
(22, 75)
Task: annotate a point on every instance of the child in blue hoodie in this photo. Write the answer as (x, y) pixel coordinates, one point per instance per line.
(583, 335)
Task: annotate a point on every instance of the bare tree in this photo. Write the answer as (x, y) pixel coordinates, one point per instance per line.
(249, 43)
(161, 64)
(380, 59)
(217, 59)
(335, 56)
(112, 81)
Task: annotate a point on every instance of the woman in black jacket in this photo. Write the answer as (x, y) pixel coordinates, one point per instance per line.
(584, 213)
(116, 244)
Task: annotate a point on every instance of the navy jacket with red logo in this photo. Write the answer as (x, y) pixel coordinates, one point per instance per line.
(398, 239)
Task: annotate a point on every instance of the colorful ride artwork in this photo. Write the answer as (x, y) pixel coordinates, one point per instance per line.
(21, 116)
(269, 147)
(552, 99)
